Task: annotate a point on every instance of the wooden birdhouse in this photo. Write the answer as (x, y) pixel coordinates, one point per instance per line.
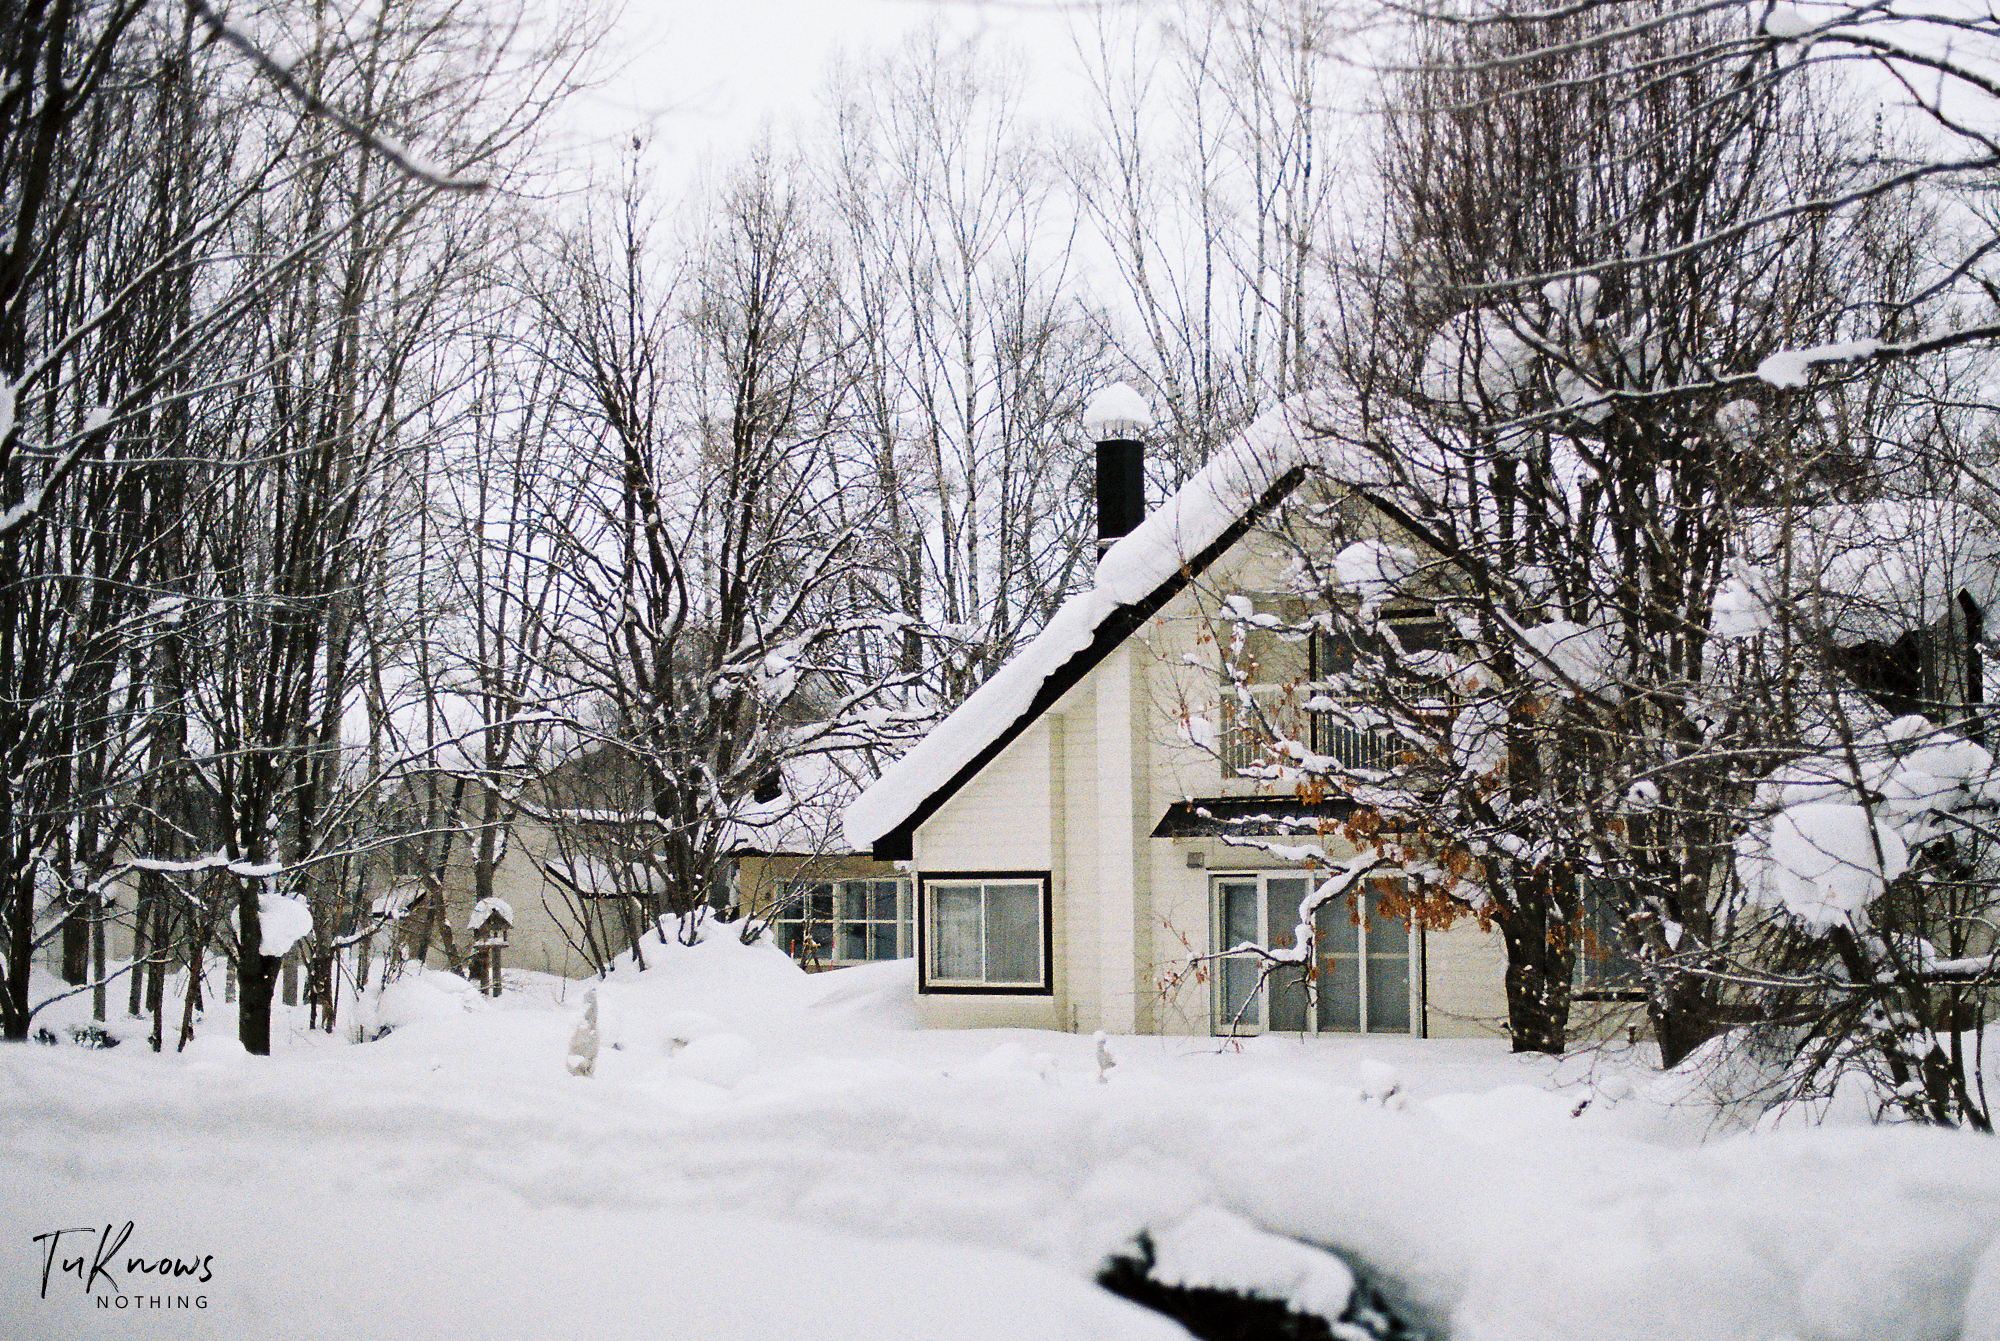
(491, 920)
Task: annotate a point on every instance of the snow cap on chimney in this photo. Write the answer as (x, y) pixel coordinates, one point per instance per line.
(1117, 413)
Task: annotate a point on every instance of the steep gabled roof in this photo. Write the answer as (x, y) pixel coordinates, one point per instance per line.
(1135, 579)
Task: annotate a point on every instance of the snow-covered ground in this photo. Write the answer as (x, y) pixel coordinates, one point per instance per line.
(767, 1154)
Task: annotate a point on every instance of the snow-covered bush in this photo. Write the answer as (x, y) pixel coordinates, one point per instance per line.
(1875, 873)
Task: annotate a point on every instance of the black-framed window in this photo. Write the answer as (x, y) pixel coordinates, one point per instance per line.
(985, 932)
(845, 921)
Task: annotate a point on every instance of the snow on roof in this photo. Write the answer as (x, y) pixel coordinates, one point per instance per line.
(1890, 566)
(592, 878)
(805, 816)
(1219, 495)
(1117, 412)
(486, 908)
(397, 901)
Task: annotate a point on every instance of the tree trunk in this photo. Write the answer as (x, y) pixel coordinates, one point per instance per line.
(257, 985)
(1540, 962)
(76, 943)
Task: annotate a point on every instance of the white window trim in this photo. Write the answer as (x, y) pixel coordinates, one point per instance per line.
(1221, 1024)
(1045, 952)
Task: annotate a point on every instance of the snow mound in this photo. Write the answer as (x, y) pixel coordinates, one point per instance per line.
(1211, 1249)
(419, 994)
(884, 994)
(718, 1059)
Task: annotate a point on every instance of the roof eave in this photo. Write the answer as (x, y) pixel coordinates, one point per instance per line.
(898, 844)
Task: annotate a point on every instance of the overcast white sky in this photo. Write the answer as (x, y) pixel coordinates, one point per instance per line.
(708, 74)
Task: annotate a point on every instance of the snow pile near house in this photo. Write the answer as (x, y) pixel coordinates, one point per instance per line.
(1166, 543)
(1211, 1249)
(415, 995)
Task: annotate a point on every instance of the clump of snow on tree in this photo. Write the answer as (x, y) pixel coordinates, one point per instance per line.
(1478, 357)
(1741, 609)
(1738, 421)
(1788, 22)
(1844, 824)
(1375, 570)
(1826, 861)
(1793, 367)
(1573, 300)
(282, 922)
(1570, 653)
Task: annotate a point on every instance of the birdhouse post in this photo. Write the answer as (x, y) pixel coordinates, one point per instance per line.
(491, 920)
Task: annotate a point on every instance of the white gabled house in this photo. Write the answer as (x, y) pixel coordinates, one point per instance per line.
(1065, 827)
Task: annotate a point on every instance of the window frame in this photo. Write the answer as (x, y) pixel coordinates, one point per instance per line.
(839, 890)
(1258, 1023)
(958, 986)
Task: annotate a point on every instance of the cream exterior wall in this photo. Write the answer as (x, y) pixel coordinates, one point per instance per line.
(1078, 793)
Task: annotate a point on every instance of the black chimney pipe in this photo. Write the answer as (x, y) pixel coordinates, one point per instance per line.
(1121, 489)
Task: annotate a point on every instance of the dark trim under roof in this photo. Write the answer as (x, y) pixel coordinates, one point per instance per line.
(1120, 624)
(1250, 816)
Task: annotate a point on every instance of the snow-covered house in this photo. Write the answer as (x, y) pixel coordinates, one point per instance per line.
(1069, 828)
(573, 861)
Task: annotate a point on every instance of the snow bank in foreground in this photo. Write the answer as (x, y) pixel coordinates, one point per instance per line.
(826, 1175)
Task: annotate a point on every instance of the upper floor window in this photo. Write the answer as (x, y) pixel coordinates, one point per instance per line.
(1346, 736)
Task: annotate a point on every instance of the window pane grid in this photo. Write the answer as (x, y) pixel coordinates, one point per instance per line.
(1363, 978)
(846, 922)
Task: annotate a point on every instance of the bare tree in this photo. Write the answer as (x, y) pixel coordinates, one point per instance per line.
(1537, 491)
(707, 608)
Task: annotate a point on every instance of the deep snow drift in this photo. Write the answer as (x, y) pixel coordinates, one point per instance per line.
(761, 1153)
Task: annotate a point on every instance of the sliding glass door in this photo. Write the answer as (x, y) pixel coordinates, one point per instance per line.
(1361, 980)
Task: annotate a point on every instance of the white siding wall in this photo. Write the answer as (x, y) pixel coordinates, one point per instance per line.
(1467, 989)
(1078, 795)
(1001, 821)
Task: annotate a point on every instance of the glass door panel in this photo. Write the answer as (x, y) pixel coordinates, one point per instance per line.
(1287, 1009)
(1363, 979)
(1388, 970)
(1237, 1009)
